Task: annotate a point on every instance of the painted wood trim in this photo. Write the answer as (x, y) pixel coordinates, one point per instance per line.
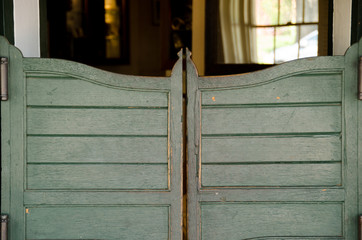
(344, 65)
(17, 129)
(170, 86)
(32, 198)
(273, 195)
(175, 153)
(193, 137)
(275, 73)
(350, 146)
(5, 142)
(40, 66)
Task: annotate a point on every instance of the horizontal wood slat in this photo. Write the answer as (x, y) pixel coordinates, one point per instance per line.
(43, 67)
(97, 222)
(319, 65)
(271, 120)
(97, 176)
(271, 149)
(271, 221)
(61, 197)
(97, 149)
(306, 88)
(278, 175)
(276, 194)
(72, 92)
(97, 121)
(36, 197)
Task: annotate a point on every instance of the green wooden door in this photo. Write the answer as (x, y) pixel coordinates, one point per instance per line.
(88, 154)
(273, 154)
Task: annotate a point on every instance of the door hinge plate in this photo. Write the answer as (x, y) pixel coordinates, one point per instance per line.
(4, 227)
(360, 79)
(4, 79)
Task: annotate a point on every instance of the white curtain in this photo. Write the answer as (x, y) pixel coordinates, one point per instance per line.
(238, 37)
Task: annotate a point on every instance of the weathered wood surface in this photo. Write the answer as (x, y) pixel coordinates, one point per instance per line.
(327, 88)
(261, 142)
(273, 174)
(12, 145)
(313, 119)
(48, 66)
(97, 121)
(286, 148)
(43, 149)
(97, 176)
(267, 220)
(97, 222)
(89, 147)
(68, 91)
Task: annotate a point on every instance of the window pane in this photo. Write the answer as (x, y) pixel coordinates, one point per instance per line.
(308, 41)
(265, 45)
(266, 12)
(311, 11)
(299, 11)
(287, 11)
(286, 44)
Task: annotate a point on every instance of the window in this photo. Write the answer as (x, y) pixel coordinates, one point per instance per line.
(249, 35)
(285, 29)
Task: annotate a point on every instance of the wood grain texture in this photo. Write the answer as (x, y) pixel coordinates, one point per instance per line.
(97, 149)
(97, 176)
(274, 128)
(97, 121)
(319, 65)
(274, 194)
(271, 149)
(271, 120)
(351, 141)
(5, 142)
(193, 209)
(304, 88)
(266, 220)
(17, 138)
(95, 197)
(52, 91)
(98, 222)
(35, 67)
(176, 151)
(278, 175)
(75, 137)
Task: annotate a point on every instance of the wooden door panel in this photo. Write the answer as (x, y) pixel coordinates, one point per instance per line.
(272, 153)
(287, 89)
(271, 175)
(100, 149)
(271, 220)
(326, 148)
(101, 222)
(271, 120)
(86, 176)
(97, 155)
(49, 90)
(87, 121)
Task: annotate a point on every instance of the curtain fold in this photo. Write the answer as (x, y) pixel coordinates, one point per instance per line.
(238, 36)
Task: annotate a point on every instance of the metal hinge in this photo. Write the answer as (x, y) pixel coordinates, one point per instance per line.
(4, 79)
(197, 160)
(4, 227)
(360, 79)
(360, 227)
